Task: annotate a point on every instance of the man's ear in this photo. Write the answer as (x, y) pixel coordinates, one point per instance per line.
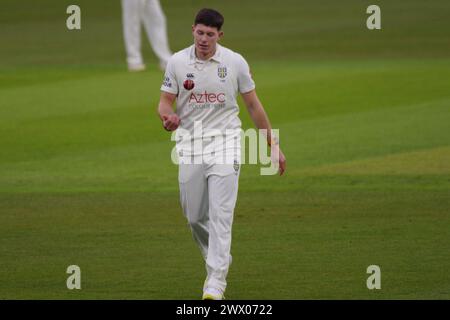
(220, 34)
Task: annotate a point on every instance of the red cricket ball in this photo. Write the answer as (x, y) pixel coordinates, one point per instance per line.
(188, 84)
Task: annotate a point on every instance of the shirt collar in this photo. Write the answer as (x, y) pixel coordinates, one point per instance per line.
(216, 57)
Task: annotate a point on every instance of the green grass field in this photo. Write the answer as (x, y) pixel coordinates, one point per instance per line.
(86, 176)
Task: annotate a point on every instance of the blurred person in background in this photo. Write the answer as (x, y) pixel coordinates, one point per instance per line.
(150, 14)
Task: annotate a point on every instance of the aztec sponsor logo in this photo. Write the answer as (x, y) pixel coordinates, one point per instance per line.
(206, 97)
(207, 100)
(167, 83)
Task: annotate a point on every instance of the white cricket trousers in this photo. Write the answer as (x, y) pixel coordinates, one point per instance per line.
(150, 14)
(208, 194)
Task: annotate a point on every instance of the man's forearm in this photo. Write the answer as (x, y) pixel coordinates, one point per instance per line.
(261, 121)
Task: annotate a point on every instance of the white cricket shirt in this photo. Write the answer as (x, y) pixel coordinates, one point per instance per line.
(207, 97)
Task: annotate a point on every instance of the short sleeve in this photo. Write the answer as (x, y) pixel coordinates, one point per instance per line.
(244, 78)
(170, 83)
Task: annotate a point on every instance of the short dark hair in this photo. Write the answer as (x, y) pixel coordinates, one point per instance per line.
(210, 18)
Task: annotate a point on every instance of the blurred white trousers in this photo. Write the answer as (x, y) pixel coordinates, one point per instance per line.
(208, 194)
(150, 14)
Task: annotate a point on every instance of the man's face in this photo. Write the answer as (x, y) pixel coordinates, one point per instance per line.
(205, 38)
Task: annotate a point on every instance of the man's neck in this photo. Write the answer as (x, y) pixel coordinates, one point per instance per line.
(204, 58)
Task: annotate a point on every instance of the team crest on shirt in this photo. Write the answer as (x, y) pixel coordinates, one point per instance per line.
(222, 72)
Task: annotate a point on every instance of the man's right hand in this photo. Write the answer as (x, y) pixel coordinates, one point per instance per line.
(171, 122)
